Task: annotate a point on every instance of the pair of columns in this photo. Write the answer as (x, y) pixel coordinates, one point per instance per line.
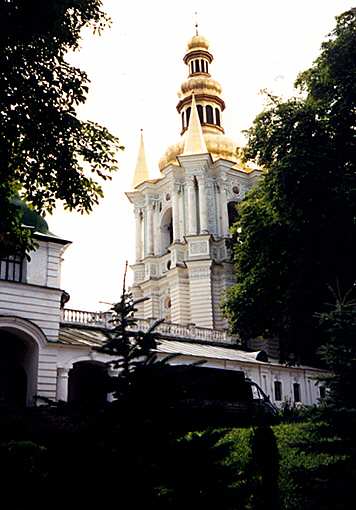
(194, 205)
(199, 184)
(197, 195)
(142, 250)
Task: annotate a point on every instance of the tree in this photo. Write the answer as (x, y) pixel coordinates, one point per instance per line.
(46, 152)
(295, 232)
(339, 352)
(132, 348)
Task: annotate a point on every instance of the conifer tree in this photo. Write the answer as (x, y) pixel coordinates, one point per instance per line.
(131, 347)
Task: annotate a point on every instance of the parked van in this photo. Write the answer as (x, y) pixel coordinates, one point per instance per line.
(210, 396)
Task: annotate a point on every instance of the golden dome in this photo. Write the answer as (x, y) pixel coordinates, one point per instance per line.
(198, 42)
(201, 85)
(220, 147)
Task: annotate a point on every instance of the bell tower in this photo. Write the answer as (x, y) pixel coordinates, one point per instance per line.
(182, 219)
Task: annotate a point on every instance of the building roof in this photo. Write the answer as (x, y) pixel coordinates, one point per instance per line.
(31, 218)
(94, 337)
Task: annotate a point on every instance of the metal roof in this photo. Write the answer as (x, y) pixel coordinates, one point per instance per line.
(77, 336)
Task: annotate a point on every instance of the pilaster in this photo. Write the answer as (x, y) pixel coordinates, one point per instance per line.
(179, 291)
(200, 285)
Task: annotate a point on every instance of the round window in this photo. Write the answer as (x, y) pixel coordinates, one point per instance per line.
(168, 197)
(236, 190)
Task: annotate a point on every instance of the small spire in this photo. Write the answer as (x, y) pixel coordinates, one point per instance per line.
(194, 139)
(196, 23)
(141, 171)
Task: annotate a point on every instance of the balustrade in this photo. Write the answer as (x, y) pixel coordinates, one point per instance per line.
(169, 330)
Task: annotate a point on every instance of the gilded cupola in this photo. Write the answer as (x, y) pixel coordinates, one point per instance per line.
(209, 103)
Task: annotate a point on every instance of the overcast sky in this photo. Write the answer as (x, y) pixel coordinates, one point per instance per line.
(136, 69)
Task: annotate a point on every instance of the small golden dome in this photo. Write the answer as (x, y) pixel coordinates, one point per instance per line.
(197, 42)
(201, 85)
(220, 147)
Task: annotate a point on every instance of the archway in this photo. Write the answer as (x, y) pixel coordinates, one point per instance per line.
(18, 367)
(88, 383)
(166, 230)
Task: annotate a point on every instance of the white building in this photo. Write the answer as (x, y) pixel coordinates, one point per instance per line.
(182, 265)
(182, 219)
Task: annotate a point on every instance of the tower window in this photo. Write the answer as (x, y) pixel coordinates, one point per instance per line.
(188, 115)
(232, 212)
(277, 390)
(11, 268)
(296, 392)
(183, 126)
(197, 66)
(200, 113)
(209, 115)
(217, 116)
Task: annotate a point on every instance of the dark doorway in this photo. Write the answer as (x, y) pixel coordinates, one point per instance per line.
(18, 368)
(88, 383)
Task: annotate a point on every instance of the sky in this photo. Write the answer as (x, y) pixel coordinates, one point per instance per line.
(136, 68)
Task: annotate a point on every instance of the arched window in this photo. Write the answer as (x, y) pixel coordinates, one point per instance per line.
(217, 116)
(200, 113)
(188, 115)
(209, 114)
(183, 126)
(197, 66)
(166, 231)
(232, 212)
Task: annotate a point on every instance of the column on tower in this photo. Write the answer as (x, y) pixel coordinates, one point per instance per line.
(175, 212)
(203, 205)
(156, 237)
(149, 209)
(138, 223)
(223, 211)
(181, 205)
(192, 206)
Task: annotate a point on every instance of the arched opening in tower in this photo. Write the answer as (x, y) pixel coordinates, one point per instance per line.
(88, 383)
(166, 230)
(200, 113)
(18, 370)
(209, 114)
(232, 212)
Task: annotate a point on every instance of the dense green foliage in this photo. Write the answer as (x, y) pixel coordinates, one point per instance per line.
(295, 233)
(315, 469)
(339, 353)
(46, 152)
(148, 465)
